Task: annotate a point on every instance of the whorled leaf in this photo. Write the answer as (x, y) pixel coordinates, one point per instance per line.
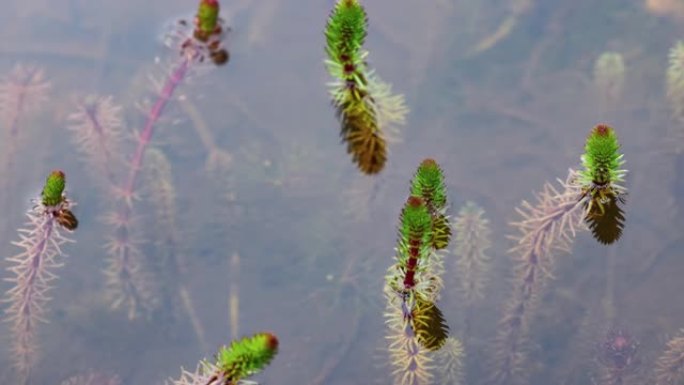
(429, 324)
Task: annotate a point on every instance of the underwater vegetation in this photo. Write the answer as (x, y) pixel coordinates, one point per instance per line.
(416, 326)
(219, 216)
(33, 268)
(618, 355)
(126, 277)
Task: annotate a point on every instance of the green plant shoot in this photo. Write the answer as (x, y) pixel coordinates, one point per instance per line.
(207, 16)
(600, 181)
(602, 160)
(53, 189)
(429, 183)
(351, 91)
(245, 357)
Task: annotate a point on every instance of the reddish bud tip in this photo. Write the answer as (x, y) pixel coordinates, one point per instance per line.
(58, 174)
(271, 341)
(429, 162)
(414, 201)
(211, 3)
(602, 130)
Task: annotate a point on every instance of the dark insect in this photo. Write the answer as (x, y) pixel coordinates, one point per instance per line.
(67, 219)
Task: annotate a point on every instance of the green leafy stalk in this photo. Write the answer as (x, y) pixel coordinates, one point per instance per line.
(345, 34)
(415, 233)
(245, 357)
(429, 184)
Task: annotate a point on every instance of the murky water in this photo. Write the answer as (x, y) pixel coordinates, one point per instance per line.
(500, 94)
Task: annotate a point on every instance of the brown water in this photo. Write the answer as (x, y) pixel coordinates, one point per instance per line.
(500, 122)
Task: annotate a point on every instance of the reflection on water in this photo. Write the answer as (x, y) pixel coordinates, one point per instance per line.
(245, 160)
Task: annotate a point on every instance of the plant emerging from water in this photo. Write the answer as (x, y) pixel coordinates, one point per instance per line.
(33, 269)
(601, 182)
(234, 363)
(364, 103)
(415, 324)
(127, 284)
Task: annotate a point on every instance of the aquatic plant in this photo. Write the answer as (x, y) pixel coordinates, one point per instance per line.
(363, 102)
(415, 324)
(234, 363)
(429, 184)
(546, 227)
(601, 183)
(171, 257)
(617, 353)
(669, 368)
(33, 269)
(126, 281)
(234, 295)
(92, 378)
(518, 8)
(97, 130)
(472, 263)
(609, 79)
(450, 362)
(674, 84)
(23, 90)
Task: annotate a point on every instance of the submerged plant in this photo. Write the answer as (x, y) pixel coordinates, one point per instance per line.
(669, 368)
(416, 326)
(450, 362)
(92, 378)
(127, 284)
(601, 183)
(518, 8)
(609, 79)
(472, 263)
(363, 102)
(617, 353)
(21, 91)
(544, 229)
(675, 80)
(33, 269)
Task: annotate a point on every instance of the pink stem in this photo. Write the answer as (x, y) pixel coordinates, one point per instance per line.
(146, 135)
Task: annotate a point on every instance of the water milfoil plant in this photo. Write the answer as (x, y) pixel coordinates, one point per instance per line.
(364, 103)
(416, 326)
(235, 363)
(126, 281)
(33, 269)
(601, 181)
(544, 229)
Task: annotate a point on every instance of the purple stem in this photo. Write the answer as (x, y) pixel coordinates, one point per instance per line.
(132, 288)
(177, 75)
